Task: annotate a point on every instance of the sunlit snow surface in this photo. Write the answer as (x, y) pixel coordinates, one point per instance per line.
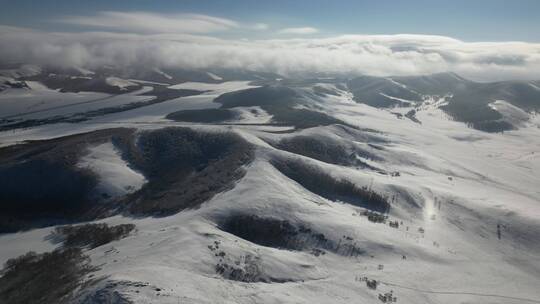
(115, 177)
(466, 182)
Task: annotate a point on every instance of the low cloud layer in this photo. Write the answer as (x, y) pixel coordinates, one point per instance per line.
(351, 54)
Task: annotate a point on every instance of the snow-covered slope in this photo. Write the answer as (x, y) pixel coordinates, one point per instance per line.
(115, 177)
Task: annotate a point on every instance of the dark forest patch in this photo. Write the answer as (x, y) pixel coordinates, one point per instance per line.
(282, 103)
(184, 167)
(325, 149)
(90, 235)
(476, 113)
(261, 96)
(378, 92)
(493, 126)
(43, 278)
(320, 183)
(301, 118)
(272, 232)
(412, 116)
(282, 234)
(42, 184)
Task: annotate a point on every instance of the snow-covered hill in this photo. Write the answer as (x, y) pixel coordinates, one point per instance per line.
(294, 176)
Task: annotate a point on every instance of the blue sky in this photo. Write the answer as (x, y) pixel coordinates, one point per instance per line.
(480, 20)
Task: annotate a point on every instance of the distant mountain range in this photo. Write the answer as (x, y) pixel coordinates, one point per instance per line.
(470, 102)
(490, 107)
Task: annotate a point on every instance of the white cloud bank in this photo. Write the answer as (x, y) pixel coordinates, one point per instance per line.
(380, 55)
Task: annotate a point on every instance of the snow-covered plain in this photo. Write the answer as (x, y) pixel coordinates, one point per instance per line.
(214, 88)
(465, 182)
(147, 116)
(24, 102)
(40, 102)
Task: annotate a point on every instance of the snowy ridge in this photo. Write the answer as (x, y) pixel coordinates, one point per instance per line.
(534, 86)
(214, 76)
(411, 102)
(403, 86)
(160, 72)
(84, 71)
(119, 82)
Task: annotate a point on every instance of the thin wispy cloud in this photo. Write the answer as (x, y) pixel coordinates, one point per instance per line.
(153, 23)
(299, 30)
